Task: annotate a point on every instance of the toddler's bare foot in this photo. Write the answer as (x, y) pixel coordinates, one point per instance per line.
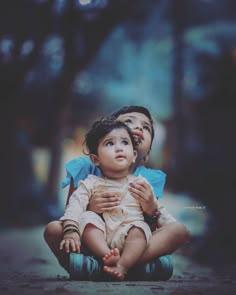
(112, 257)
(117, 271)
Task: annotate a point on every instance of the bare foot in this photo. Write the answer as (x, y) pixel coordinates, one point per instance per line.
(117, 271)
(112, 257)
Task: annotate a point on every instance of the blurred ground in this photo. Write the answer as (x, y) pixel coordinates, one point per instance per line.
(28, 267)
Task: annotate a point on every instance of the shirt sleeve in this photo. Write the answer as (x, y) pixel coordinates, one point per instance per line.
(156, 178)
(78, 169)
(78, 202)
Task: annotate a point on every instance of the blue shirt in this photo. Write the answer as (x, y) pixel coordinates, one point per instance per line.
(79, 169)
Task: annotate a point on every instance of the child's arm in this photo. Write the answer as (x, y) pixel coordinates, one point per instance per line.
(76, 170)
(142, 191)
(76, 206)
(156, 178)
(102, 201)
(71, 237)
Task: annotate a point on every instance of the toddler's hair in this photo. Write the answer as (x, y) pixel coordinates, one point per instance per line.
(101, 128)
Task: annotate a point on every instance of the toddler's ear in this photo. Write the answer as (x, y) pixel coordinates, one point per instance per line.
(94, 159)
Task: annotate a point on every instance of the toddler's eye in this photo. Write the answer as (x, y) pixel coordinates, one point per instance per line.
(128, 121)
(125, 142)
(109, 143)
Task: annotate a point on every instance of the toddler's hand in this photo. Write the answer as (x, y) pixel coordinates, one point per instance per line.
(71, 242)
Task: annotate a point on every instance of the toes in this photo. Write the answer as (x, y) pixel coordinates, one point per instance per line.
(116, 251)
(114, 273)
(107, 256)
(107, 269)
(113, 252)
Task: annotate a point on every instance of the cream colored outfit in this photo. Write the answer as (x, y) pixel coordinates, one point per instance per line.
(115, 224)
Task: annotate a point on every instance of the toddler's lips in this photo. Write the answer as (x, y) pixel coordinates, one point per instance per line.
(120, 157)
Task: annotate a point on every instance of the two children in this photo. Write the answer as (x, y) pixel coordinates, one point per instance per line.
(169, 235)
(120, 235)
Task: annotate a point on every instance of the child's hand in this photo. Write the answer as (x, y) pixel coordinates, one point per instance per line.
(142, 191)
(71, 242)
(102, 201)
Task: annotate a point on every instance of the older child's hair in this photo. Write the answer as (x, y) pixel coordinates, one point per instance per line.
(101, 128)
(135, 109)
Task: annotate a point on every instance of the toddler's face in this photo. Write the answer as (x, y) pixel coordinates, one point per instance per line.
(115, 152)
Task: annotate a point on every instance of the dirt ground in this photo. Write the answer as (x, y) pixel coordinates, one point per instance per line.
(28, 267)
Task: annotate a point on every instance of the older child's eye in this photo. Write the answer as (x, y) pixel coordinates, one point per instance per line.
(147, 128)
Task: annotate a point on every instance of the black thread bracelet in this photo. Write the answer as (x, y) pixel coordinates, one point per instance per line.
(71, 230)
(153, 218)
(70, 225)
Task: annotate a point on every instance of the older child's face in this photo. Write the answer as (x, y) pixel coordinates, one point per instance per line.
(142, 131)
(115, 152)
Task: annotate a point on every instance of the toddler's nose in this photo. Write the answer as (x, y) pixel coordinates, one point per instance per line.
(119, 147)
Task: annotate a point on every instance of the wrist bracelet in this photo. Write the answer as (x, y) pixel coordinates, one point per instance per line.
(153, 218)
(71, 230)
(70, 225)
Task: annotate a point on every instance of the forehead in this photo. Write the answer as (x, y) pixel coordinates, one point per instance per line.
(135, 116)
(116, 133)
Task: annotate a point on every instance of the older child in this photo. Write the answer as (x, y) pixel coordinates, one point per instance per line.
(169, 236)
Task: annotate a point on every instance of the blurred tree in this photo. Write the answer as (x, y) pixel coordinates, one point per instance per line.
(42, 45)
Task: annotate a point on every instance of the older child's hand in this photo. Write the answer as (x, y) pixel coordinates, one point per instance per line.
(142, 191)
(71, 242)
(102, 201)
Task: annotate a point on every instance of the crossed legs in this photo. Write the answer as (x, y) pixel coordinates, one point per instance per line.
(116, 264)
(165, 240)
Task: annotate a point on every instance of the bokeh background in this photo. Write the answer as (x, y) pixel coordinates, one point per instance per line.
(64, 63)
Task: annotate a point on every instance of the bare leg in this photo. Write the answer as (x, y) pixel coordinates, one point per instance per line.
(53, 234)
(94, 239)
(166, 240)
(134, 246)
